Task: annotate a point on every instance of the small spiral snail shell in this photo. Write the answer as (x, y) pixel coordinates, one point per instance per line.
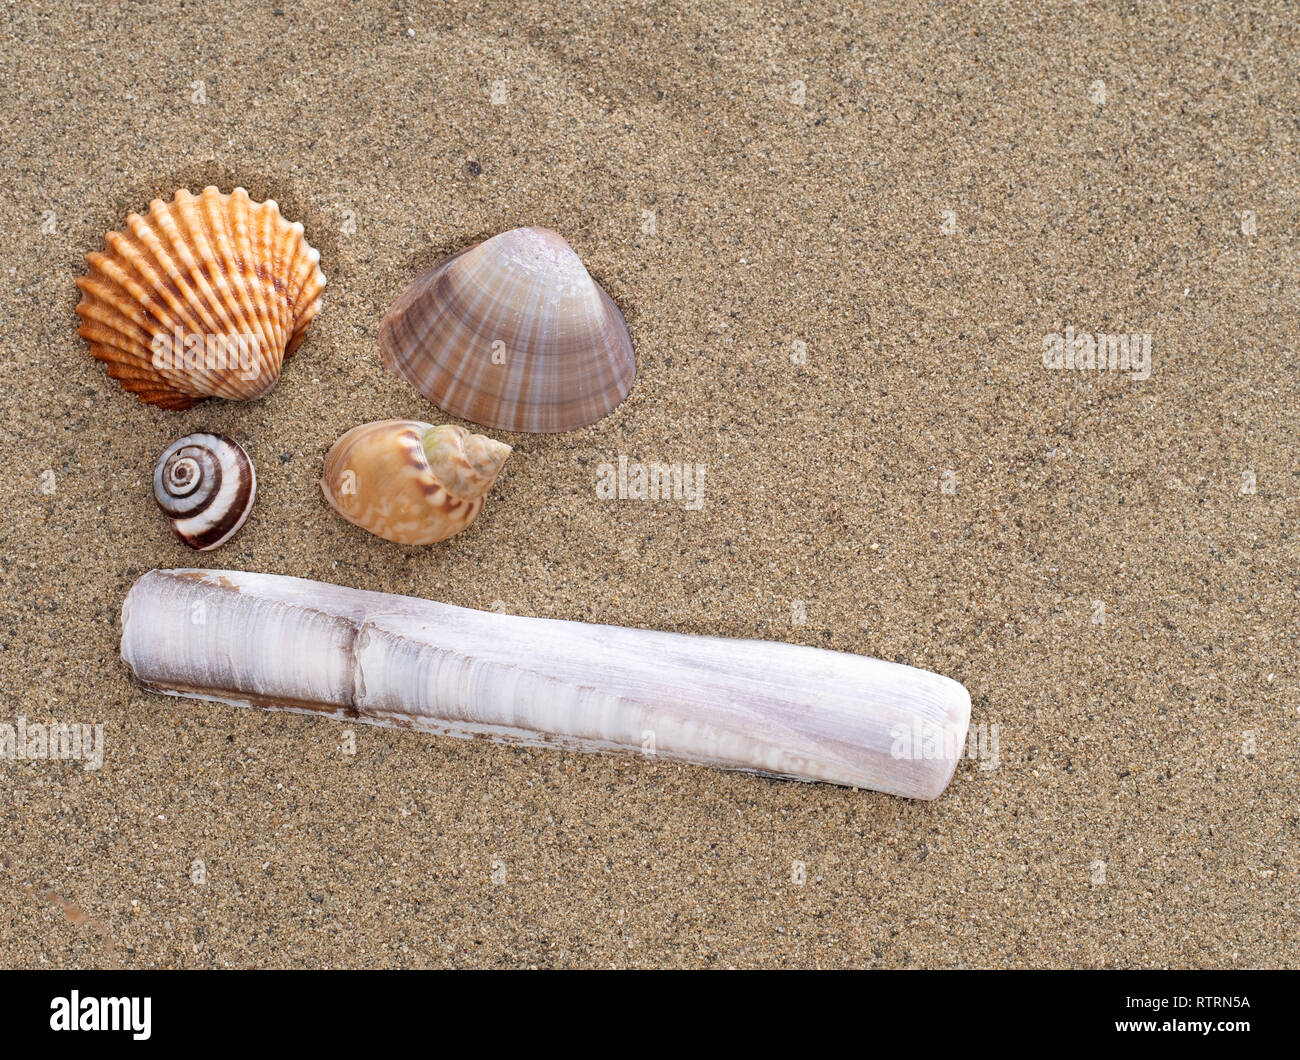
(206, 484)
(411, 482)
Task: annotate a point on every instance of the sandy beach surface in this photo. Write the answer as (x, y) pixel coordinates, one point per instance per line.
(842, 235)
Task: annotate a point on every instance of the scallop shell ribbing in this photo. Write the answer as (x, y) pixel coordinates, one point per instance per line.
(203, 296)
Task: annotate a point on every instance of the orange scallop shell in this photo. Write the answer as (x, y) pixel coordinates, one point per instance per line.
(205, 296)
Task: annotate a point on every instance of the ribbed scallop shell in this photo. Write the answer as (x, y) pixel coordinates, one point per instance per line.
(206, 485)
(514, 334)
(217, 270)
(411, 482)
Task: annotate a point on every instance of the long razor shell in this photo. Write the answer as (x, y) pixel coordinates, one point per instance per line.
(778, 709)
(512, 333)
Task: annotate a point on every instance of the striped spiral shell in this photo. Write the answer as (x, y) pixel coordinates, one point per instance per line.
(206, 485)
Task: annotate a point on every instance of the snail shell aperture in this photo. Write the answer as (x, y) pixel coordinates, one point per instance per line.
(206, 484)
(411, 482)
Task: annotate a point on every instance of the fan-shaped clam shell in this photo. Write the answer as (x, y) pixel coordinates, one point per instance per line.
(411, 482)
(514, 334)
(205, 296)
(206, 484)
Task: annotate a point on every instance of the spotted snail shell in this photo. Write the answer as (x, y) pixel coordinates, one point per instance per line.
(203, 297)
(411, 482)
(206, 484)
(514, 334)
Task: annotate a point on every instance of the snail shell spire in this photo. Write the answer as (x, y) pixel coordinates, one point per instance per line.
(206, 485)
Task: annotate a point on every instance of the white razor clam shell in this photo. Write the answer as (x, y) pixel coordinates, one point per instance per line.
(766, 707)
